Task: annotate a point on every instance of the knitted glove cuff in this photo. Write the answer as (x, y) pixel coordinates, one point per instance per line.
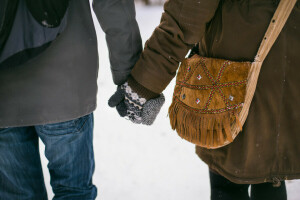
(132, 96)
(134, 104)
(141, 90)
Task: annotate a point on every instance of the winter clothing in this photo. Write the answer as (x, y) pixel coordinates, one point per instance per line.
(267, 149)
(223, 189)
(69, 149)
(131, 104)
(57, 78)
(48, 74)
(48, 13)
(141, 90)
(27, 36)
(8, 10)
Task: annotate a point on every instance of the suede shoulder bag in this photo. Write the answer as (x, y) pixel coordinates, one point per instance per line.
(212, 96)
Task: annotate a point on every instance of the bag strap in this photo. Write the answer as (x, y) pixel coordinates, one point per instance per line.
(279, 19)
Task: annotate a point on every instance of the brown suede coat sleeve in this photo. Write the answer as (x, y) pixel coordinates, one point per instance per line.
(182, 24)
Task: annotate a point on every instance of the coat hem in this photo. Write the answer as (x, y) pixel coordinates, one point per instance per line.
(270, 177)
(34, 122)
(257, 180)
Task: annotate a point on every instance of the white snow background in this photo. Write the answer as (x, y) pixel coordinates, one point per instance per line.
(136, 162)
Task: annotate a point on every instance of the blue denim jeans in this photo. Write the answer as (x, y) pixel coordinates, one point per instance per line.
(69, 149)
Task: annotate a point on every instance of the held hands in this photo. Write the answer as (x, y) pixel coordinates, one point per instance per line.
(137, 109)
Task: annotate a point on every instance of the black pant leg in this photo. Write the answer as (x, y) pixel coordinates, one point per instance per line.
(223, 189)
(266, 191)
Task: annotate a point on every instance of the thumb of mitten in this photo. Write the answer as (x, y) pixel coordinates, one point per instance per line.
(151, 109)
(116, 98)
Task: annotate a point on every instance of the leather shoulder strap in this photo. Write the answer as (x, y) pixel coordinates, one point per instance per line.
(279, 19)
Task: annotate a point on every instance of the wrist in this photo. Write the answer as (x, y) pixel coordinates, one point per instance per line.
(141, 90)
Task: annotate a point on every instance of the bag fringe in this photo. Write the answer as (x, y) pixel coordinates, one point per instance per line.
(205, 130)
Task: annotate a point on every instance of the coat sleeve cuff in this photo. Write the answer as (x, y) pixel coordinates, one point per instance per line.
(141, 90)
(120, 78)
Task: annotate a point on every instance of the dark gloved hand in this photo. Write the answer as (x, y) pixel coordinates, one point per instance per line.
(139, 110)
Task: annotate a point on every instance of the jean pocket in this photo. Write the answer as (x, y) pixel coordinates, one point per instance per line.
(63, 128)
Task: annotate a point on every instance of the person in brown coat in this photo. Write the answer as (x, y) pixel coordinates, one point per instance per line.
(267, 151)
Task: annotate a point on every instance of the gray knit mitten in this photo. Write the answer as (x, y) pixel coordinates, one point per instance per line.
(136, 108)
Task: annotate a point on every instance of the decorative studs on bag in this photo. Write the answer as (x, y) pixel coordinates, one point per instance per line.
(199, 77)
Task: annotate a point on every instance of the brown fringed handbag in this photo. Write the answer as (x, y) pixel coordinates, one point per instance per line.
(212, 96)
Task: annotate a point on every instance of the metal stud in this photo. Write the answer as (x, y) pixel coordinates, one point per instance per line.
(231, 98)
(183, 96)
(199, 77)
(197, 101)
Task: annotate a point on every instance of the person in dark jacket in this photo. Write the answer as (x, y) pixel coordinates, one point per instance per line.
(267, 151)
(48, 87)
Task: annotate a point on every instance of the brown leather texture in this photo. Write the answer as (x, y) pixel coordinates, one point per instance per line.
(224, 80)
(209, 92)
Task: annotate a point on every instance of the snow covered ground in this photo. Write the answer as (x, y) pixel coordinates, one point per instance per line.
(135, 162)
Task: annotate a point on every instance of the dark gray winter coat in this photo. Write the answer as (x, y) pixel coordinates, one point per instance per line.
(59, 82)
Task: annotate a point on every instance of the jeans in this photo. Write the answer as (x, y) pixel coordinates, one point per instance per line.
(223, 189)
(69, 150)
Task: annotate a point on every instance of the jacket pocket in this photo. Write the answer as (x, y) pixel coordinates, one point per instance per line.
(63, 128)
